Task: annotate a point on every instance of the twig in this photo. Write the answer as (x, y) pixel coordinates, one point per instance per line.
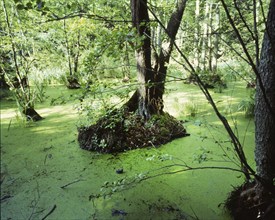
(236, 143)
(50, 212)
(196, 217)
(249, 57)
(3, 198)
(243, 20)
(35, 201)
(150, 175)
(46, 156)
(75, 181)
(9, 125)
(85, 15)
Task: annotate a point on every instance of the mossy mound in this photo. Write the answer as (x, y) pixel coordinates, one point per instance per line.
(120, 130)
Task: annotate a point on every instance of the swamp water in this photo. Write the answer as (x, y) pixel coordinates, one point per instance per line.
(45, 172)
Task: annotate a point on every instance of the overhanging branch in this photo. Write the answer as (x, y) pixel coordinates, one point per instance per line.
(251, 62)
(82, 14)
(236, 143)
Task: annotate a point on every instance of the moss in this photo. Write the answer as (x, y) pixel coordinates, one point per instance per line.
(163, 131)
(122, 130)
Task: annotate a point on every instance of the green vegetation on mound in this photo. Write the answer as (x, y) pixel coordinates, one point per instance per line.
(120, 130)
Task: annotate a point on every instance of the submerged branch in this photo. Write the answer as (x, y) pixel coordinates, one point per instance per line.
(68, 184)
(123, 184)
(189, 169)
(50, 212)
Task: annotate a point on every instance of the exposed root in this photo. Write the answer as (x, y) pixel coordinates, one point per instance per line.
(31, 114)
(250, 201)
(73, 83)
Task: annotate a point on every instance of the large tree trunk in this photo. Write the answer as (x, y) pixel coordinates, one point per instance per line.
(31, 114)
(3, 82)
(122, 129)
(152, 78)
(205, 37)
(257, 200)
(160, 68)
(264, 118)
(140, 19)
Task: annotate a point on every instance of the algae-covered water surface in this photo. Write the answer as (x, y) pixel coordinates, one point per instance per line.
(45, 175)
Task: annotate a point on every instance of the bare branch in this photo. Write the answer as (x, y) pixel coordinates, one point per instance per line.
(68, 184)
(85, 15)
(50, 212)
(235, 51)
(236, 143)
(243, 20)
(252, 64)
(256, 35)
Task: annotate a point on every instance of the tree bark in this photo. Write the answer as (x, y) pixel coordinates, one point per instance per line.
(205, 37)
(152, 78)
(216, 39)
(165, 54)
(264, 118)
(76, 54)
(197, 36)
(68, 48)
(140, 19)
(256, 200)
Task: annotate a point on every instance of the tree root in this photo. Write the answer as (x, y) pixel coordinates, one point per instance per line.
(249, 201)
